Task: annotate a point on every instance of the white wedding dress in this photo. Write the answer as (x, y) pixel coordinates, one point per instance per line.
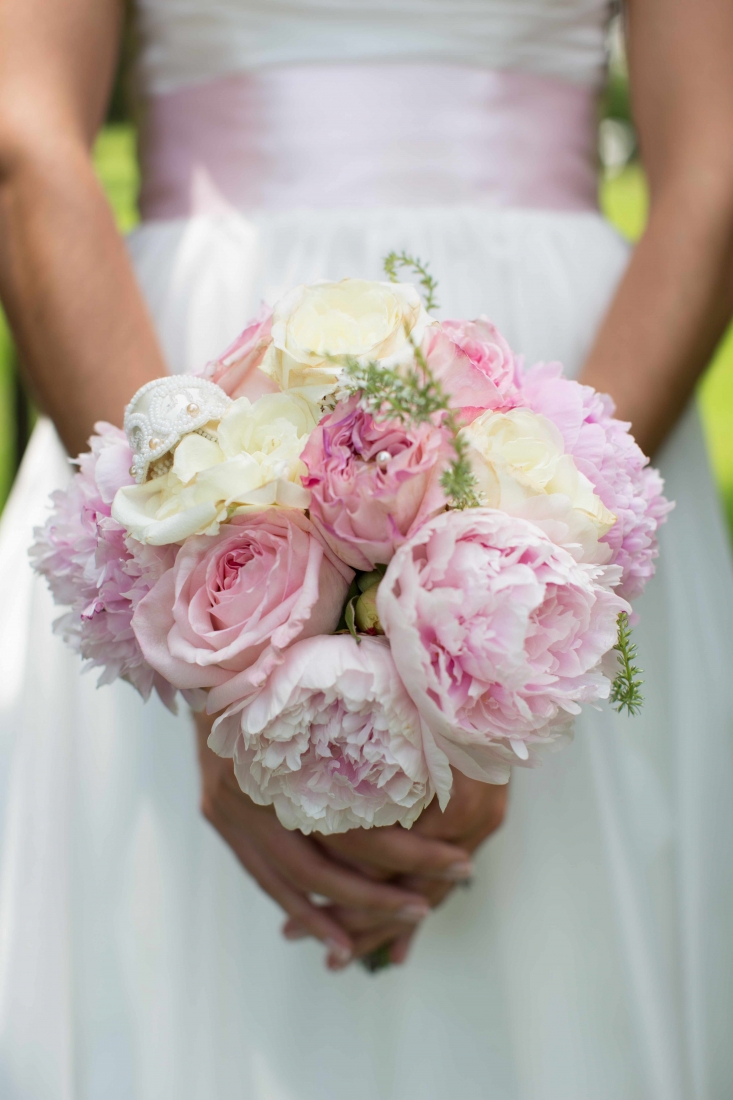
(593, 957)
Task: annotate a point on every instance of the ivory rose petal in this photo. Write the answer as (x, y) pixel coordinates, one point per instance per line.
(355, 317)
(251, 457)
(518, 456)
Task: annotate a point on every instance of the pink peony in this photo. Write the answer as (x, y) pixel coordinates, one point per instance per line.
(607, 454)
(497, 634)
(332, 740)
(237, 369)
(474, 364)
(222, 616)
(92, 566)
(371, 482)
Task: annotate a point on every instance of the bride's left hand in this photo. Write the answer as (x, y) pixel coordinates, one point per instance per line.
(475, 811)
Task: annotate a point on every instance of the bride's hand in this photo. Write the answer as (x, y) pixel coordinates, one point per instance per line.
(291, 867)
(475, 811)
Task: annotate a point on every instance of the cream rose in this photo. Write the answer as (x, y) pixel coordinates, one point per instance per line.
(356, 317)
(250, 458)
(521, 467)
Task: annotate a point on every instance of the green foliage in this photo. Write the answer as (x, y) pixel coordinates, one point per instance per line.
(350, 618)
(377, 960)
(616, 101)
(626, 688)
(414, 396)
(347, 622)
(457, 480)
(396, 260)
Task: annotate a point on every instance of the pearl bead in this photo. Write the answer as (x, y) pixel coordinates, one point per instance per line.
(193, 409)
(154, 443)
(382, 459)
(131, 471)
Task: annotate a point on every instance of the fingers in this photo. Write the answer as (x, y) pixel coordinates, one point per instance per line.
(357, 921)
(303, 864)
(475, 811)
(370, 941)
(434, 892)
(307, 869)
(396, 850)
(401, 948)
(313, 920)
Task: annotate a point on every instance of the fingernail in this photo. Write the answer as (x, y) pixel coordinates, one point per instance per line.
(458, 871)
(337, 956)
(296, 933)
(412, 914)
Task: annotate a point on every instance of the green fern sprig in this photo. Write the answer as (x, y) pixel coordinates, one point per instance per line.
(396, 260)
(458, 480)
(626, 688)
(413, 396)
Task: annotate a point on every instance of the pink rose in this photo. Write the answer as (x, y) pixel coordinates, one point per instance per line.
(332, 740)
(497, 635)
(604, 450)
(237, 369)
(474, 364)
(371, 482)
(233, 602)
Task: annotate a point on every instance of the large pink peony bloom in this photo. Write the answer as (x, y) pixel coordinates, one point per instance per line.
(222, 616)
(608, 455)
(332, 740)
(497, 634)
(474, 364)
(371, 482)
(237, 369)
(93, 567)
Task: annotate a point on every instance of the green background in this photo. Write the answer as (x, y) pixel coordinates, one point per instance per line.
(623, 198)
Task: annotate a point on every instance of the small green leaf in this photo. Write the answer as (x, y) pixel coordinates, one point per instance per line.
(350, 616)
(626, 688)
(366, 580)
(427, 282)
(377, 960)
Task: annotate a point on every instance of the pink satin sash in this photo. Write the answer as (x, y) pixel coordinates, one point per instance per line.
(369, 135)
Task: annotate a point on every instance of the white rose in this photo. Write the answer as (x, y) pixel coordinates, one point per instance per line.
(250, 458)
(519, 461)
(368, 320)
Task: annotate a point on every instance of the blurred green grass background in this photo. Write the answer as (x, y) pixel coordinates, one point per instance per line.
(623, 198)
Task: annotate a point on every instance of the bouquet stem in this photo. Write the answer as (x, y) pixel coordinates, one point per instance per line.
(378, 959)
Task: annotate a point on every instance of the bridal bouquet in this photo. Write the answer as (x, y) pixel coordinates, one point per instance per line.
(374, 544)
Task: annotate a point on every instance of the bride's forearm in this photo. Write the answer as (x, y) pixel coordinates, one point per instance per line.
(677, 294)
(670, 310)
(84, 335)
(85, 339)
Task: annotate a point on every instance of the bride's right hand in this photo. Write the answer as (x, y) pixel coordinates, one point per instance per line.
(292, 868)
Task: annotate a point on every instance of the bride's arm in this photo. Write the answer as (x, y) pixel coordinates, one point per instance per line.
(84, 335)
(677, 293)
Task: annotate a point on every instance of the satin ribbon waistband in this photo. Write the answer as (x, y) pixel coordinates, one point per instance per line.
(368, 136)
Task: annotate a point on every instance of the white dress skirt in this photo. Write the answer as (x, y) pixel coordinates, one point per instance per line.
(592, 957)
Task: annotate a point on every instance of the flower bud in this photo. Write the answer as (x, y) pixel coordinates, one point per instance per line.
(367, 619)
